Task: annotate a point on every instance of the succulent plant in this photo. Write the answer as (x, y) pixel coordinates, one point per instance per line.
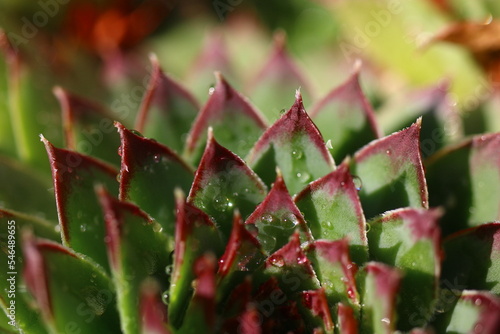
(218, 222)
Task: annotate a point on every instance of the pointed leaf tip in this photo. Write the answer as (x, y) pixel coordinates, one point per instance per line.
(295, 145)
(226, 106)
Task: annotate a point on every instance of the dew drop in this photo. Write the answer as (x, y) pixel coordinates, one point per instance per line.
(137, 133)
(478, 301)
(165, 298)
(301, 259)
(388, 152)
(297, 154)
(83, 227)
(120, 150)
(368, 227)
(119, 177)
(277, 261)
(385, 320)
(327, 224)
(304, 177)
(222, 203)
(57, 228)
(350, 293)
(282, 111)
(156, 158)
(289, 221)
(169, 269)
(329, 144)
(357, 182)
(344, 279)
(211, 90)
(157, 227)
(267, 218)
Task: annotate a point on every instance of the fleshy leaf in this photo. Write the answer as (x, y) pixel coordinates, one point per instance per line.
(292, 268)
(80, 215)
(149, 174)
(7, 57)
(26, 190)
(346, 321)
(333, 211)
(379, 299)
(277, 218)
(316, 304)
(223, 183)
(88, 127)
(472, 258)
(409, 240)
(70, 291)
(346, 118)
(391, 172)
(200, 316)
(465, 180)
(475, 312)
(12, 223)
(243, 254)
(195, 234)
(276, 80)
(167, 110)
(295, 145)
(335, 271)
(441, 122)
(153, 313)
(225, 106)
(136, 250)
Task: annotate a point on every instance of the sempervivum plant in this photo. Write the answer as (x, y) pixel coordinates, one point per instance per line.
(218, 222)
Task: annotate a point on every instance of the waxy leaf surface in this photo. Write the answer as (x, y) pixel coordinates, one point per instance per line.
(149, 174)
(223, 183)
(333, 211)
(80, 215)
(236, 123)
(294, 144)
(391, 173)
(409, 240)
(136, 250)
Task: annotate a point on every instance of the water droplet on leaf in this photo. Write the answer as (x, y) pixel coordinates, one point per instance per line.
(357, 182)
(137, 133)
(277, 261)
(165, 298)
(222, 203)
(297, 154)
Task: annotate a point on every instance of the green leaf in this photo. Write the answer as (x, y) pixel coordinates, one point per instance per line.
(88, 127)
(200, 316)
(391, 172)
(153, 312)
(292, 268)
(276, 80)
(381, 286)
(295, 145)
(315, 308)
(242, 255)
(475, 312)
(195, 235)
(71, 292)
(333, 211)
(465, 180)
(136, 250)
(223, 183)
(336, 272)
(12, 224)
(346, 118)
(167, 110)
(276, 219)
(473, 258)
(225, 106)
(26, 190)
(7, 145)
(80, 215)
(409, 239)
(149, 174)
